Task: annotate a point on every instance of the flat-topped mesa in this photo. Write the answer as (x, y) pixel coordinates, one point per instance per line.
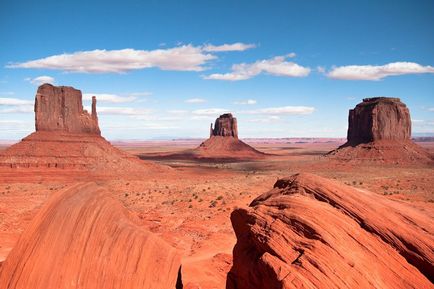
(378, 118)
(225, 125)
(60, 108)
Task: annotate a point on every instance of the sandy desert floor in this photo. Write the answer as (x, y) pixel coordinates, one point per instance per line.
(190, 206)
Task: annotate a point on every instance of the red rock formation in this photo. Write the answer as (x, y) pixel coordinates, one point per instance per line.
(309, 232)
(224, 143)
(379, 118)
(83, 238)
(68, 137)
(60, 108)
(225, 125)
(379, 129)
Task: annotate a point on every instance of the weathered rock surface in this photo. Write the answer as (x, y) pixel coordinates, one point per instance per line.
(379, 118)
(60, 108)
(225, 125)
(379, 130)
(83, 238)
(310, 232)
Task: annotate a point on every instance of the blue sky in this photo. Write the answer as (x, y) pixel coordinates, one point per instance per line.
(166, 69)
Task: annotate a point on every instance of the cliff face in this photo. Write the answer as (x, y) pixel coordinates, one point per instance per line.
(310, 232)
(60, 108)
(225, 125)
(379, 118)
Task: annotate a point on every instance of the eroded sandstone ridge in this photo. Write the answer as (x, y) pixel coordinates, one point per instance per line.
(310, 232)
(379, 129)
(225, 125)
(83, 238)
(68, 137)
(60, 108)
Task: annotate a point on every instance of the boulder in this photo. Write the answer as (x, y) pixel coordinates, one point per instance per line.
(84, 238)
(310, 232)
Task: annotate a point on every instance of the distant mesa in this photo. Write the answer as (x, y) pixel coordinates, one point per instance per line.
(379, 130)
(224, 143)
(225, 125)
(68, 137)
(310, 232)
(84, 238)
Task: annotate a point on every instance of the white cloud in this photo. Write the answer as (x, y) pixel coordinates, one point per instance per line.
(210, 111)
(41, 80)
(15, 105)
(277, 66)
(291, 55)
(105, 97)
(18, 109)
(143, 93)
(247, 101)
(195, 100)
(228, 47)
(177, 111)
(268, 119)
(289, 110)
(377, 72)
(182, 58)
(14, 101)
(111, 110)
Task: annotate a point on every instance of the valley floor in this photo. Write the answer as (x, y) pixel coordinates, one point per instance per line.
(190, 206)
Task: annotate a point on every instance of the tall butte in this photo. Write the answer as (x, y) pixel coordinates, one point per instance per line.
(379, 130)
(68, 137)
(224, 143)
(60, 108)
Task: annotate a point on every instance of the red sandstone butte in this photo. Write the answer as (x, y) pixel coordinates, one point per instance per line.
(68, 137)
(83, 238)
(224, 143)
(310, 232)
(225, 125)
(379, 129)
(60, 108)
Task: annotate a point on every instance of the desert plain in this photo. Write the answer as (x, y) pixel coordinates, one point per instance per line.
(190, 203)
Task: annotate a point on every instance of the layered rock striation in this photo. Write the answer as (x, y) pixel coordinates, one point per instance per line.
(310, 232)
(379, 129)
(83, 238)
